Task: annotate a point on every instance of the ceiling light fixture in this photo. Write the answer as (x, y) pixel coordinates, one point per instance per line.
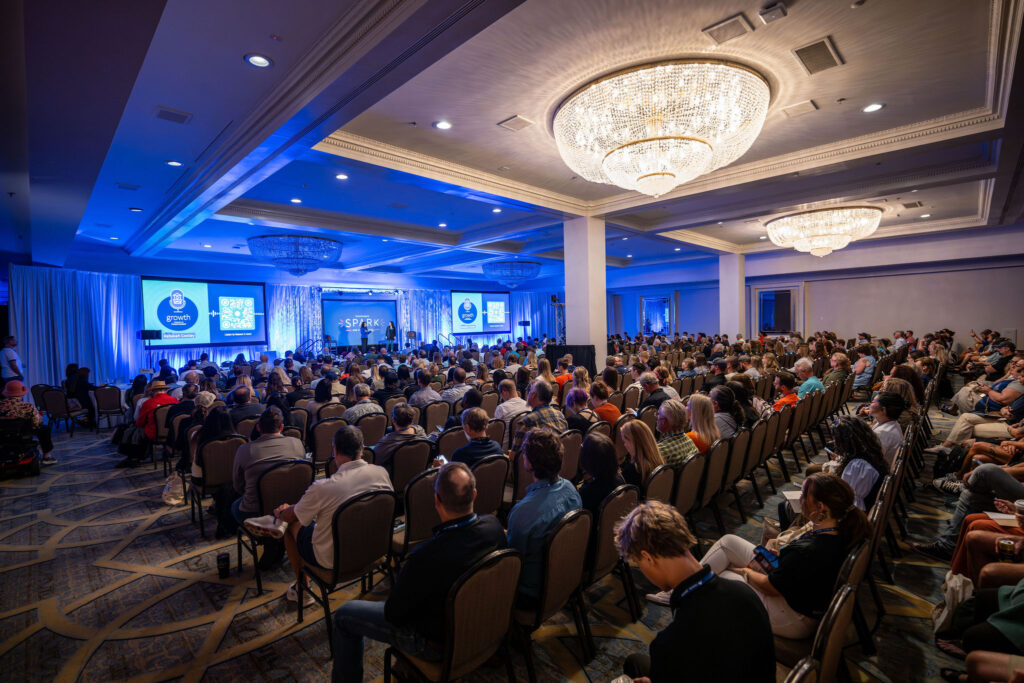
(629, 256)
(822, 231)
(295, 200)
(511, 273)
(871, 108)
(341, 176)
(134, 209)
(678, 248)
(442, 124)
(113, 238)
(208, 246)
(495, 210)
(297, 254)
(763, 237)
(259, 61)
(172, 162)
(442, 225)
(624, 239)
(654, 127)
(926, 215)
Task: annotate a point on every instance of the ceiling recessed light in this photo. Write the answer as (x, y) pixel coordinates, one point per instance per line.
(341, 176)
(763, 237)
(875, 106)
(113, 238)
(495, 210)
(913, 190)
(134, 209)
(208, 246)
(172, 162)
(629, 256)
(384, 240)
(258, 61)
(295, 200)
(624, 239)
(926, 215)
(719, 222)
(442, 225)
(678, 248)
(442, 124)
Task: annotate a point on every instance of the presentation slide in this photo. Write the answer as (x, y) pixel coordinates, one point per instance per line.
(481, 312)
(204, 313)
(343, 318)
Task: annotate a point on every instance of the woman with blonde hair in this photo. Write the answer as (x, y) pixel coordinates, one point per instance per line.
(531, 359)
(544, 372)
(643, 455)
(279, 372)
(701, 412)
(770, 364)
(242, 381)
(580, 380)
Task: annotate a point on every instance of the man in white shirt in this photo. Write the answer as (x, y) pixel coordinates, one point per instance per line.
(885, 408)
(310, 535)
(898, 339)
(11, 361)
(510, 406)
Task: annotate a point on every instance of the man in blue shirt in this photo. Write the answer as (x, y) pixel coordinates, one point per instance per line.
(805, 372)
(547, 500)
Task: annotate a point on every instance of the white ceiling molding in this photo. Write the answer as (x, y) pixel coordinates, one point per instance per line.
(699, 240)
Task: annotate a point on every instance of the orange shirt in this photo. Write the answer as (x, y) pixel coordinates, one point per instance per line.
(701, 446)
(787, 400)
(608, 413)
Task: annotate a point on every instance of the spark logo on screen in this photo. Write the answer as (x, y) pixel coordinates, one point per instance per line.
(177, 312)
(351, 323)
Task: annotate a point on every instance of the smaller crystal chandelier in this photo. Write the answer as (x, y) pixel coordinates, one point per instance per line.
(511, 273)
(822, 231)
(298, 254)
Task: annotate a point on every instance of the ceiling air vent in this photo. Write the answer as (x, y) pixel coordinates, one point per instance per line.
(172, 115)
(516, 123)
(800, 108)
(126, 186)
(913, 205)
(818, 56)
(726, 30)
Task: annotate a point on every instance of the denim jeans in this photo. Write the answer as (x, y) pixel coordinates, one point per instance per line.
(236, 511)
(357, 619)
(986, 483)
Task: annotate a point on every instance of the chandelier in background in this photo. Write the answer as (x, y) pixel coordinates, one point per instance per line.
(298, 254)
(822, 231)
(654, 127)
(511, 273)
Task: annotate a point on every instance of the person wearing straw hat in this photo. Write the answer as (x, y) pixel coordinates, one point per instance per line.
(13, 406)
(158, 397)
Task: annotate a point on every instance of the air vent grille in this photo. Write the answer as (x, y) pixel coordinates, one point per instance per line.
(913, 205)
(516, 123)
(172, 115)
(819, 56)
(727, 30)
(800, 108)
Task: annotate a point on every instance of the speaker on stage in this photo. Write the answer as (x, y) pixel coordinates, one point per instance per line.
(582, 354)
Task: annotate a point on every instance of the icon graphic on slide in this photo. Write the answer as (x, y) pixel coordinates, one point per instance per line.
(467, 312)
(177, 311)
(237, 313)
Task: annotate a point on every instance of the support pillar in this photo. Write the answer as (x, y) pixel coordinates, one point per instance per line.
(732, 295)
(617, 321)
(585, 295)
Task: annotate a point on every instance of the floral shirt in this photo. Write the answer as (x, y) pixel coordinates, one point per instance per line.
(16, 408)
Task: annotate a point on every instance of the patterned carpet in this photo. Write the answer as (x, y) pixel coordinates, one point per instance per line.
(103, 582)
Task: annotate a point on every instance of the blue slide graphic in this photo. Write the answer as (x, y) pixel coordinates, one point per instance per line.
(198, 313)
(481, 312)
(344, 317)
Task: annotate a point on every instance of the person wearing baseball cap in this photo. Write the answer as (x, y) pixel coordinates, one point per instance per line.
(13, 405)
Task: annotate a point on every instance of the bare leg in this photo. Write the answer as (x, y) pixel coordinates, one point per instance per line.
(985, 666)
(291, 546)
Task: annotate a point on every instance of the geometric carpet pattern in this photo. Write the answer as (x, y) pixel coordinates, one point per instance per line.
(100, 581)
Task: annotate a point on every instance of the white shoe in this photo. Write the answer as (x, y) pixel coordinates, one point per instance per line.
(938, 449)
(662, 598)
(292, 595)
(267, 525)
(48, 459)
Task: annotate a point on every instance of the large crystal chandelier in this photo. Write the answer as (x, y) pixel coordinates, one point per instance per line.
(822, 231)
(511, 273)
(298, 254)
(654, 127)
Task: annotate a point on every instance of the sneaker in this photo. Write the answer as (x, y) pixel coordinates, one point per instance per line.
(935, 450)
(292, 595)
(267, 525)
(949, 409)
(933, 551)
(951, 487)
(662, 598)
(48, 459)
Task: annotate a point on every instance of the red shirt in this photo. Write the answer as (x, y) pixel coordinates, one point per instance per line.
(608, 413)
(146, 419)
(787, 400)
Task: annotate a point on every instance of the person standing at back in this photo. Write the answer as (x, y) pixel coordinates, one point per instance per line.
(10, 361)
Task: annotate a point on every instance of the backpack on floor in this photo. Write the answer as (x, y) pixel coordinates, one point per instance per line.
(949, 462)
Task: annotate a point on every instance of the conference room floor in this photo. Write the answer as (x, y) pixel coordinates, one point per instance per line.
(101, 582)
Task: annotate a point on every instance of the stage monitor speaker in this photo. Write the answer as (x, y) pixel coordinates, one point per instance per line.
(582, 354)
(147, 335)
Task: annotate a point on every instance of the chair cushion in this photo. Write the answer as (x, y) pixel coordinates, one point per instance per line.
(789, 651)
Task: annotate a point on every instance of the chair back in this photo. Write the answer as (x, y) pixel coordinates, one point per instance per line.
(879, 513)
(856, 564)
(600, 427)
(478, 612)
(491, 473)
(521, 477)
(805, 671)
(698, 382)
(831, 636)
(737, 457)
(160, 420)
(496, 431)
(175, 429)
(389, 405)
(362, 529)
(330, 410)
(649, 416)
(565, 552)
(714, 471)
(284, 482)
(685, 387)
(620, 447)
(304, 418)
(677, 384)
(435, 415)
(245, 427)
(56, 403)
(631, 399)
(373, 427)
(37, 391)
(659, 484)
(191, 440)
(408, 460)
(302, 402)
(420, 514)
(616, 400)
(688, 481)
(490, 403)
(108, 400)
(513, 425)
(785, 422)
(614, 507)
(218, 457)
(571, 439)
(295, 433)
(450, 440)
(754, 448)
(322, 433)
(768, 445)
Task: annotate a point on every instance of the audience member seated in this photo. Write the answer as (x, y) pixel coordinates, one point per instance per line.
(885, 409)
(402, 418)
(510, 406)
(322, 395)
(600, 473)
(785, 387)
(458, 388)
(978, 544)
(362, 406)
(245, 407)
(720, 630)
(474, 424)
(542, 413)
(643, 456)
(146, 419)
(547, 500)
(728, 414)
(991, 625)
(413, 616)
(653, 394)
(310, 535)
(425, 394)
(216, 426)
(599, 395)
(185, 405)
(841, 370)
(804, 369)
(391, 389)
(14, 407)
(716, 377)
(704, 429)
(741, 400)
(578, 415)
(79, 388)
(253, 459)
(864, 368)
(674, 445)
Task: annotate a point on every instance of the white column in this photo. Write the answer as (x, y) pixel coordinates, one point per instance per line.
(585, 302)
(732, 295)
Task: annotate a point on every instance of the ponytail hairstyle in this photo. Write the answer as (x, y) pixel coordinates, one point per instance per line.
(727, 403)
(835, 494)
